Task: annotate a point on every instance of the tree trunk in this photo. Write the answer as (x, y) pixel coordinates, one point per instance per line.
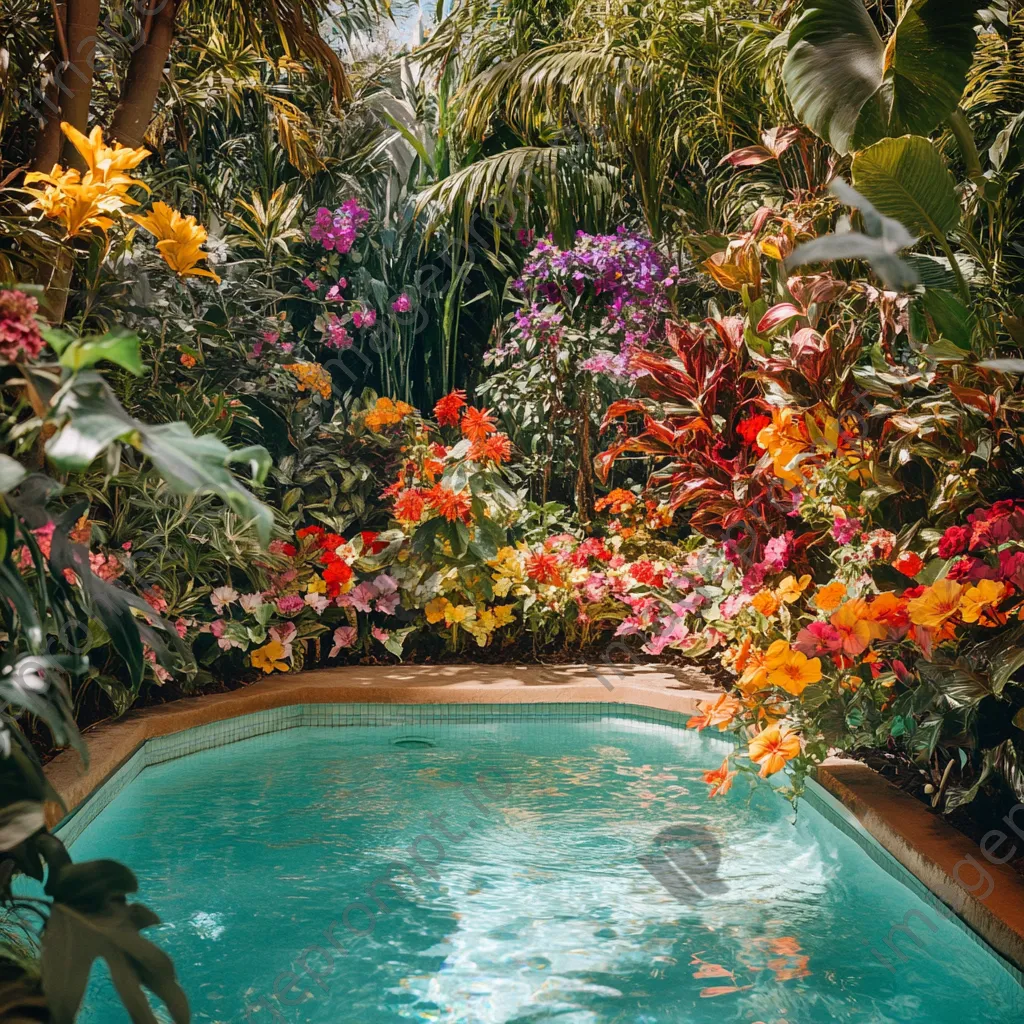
(145, 74)
(75, 81)
(49, 141)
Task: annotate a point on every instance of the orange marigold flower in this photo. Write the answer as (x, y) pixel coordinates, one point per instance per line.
(544, 568)
(449, 504)
(766, 603)
(939, 602)
(720, 780)
(311, 376)
(477, 424)
(409, 505)
(771, 748)
(719, 712)
(829, 597)
(446, 411)
(616, 501)
(492, 449)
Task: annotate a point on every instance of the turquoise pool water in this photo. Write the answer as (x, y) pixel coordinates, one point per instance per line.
(528, 865)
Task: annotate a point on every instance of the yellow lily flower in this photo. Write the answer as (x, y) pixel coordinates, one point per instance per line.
(178, 239)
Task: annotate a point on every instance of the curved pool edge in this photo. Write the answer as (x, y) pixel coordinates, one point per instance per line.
(944, 862)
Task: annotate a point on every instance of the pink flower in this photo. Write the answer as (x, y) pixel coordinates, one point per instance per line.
(290, 604)
(733, 604)
(778, 551)
(344, 636)
(361, 596)
(154, 597)
(20, 338)
(388, 603)
(844, 530)
(310, 283)
(385, 584)
(180, 627)
(401, 304)
(818, 638)
(380, 634)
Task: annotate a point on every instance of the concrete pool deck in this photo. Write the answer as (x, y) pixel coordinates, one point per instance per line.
(986, 895)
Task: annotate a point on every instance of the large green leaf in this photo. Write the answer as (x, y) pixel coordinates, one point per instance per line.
(853, 89)
(835, 62)
(907, 180)
(90, 919)
(118, 346)
(926, 65)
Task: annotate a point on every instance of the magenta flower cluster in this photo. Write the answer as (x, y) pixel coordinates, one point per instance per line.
(20, 337)
(621, 278)
(336, 230)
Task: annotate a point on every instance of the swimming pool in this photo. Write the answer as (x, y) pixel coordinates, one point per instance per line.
(488, 866)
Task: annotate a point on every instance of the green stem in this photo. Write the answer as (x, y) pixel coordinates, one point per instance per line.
(965, 140)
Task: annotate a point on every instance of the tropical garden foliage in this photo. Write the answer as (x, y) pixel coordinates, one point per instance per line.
(685, 330)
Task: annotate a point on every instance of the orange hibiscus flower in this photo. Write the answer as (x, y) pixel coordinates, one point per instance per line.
(771, 748)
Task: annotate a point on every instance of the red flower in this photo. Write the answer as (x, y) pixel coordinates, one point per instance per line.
(311, 531)
(749, 427)
(909, 563)
(370, 542)
(449, 504)
(477, 424)
(492, 449)
(446, 411)
(954, 541)
(336, 574)
(644, 572)
(409, 505)
(544, 569)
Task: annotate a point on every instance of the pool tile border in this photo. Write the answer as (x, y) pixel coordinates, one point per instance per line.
(898, 832)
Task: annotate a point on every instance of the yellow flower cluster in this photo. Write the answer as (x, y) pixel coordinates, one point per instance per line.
(946, 598)
(387, 413)
(480, 622)
(84, 202)
(509, 573)
(311, 376)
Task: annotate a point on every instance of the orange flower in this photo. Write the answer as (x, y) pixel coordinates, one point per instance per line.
(386, 413)
(755, 674)
(771, 748)
(796, 673)
(855, 626)
(828, 598)
(492, 449)
(449, 504)
(720, 780)
(616, 501)
(790, 589)
(311, 375)
(544, 568)
(719, 712)
(187, 360)
(766, 603)
(446, 411)
(477, 424)
(941, 601)
(784, 439)
(891, 611)
(409, 505)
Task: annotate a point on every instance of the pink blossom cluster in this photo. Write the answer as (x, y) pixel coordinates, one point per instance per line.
(20, 338)
(337, 230)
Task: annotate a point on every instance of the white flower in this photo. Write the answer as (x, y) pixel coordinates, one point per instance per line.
(250, 602)
(317, 602)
